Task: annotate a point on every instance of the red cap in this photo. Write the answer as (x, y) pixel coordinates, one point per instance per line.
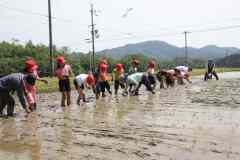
(103, 67)
(60, 60)
(151, 64)
(119, 67)
(31, 65)
(90, 80)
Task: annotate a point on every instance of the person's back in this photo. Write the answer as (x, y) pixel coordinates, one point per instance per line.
(80, 79)
(15, 82)
(11, 82)
(136, 76)
(182, 68)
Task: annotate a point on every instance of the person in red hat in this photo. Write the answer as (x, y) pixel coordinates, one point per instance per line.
(63, 72)
(151, 73)
(134, 66)
(31, 67)
(103, 78)
(81, 82)
(118, 73)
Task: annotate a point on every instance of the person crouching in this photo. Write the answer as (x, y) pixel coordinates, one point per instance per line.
(81, 82)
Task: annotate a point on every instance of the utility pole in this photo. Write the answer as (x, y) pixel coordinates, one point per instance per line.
(50, 37)
(90, 60)
(93, 38)
(186, 47)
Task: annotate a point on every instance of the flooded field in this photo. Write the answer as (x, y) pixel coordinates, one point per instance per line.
(200, 121)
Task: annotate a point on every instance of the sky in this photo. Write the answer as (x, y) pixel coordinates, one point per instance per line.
(164, 20)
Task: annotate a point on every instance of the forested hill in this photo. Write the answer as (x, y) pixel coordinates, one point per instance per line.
(13, 56)
(163, 50)
(229, 61)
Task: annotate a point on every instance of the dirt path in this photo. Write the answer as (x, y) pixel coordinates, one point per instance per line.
(193, 122)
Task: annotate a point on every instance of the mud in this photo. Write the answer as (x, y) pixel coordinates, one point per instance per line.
(198, 121)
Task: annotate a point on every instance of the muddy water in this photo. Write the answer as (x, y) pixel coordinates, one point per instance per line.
(198, 121)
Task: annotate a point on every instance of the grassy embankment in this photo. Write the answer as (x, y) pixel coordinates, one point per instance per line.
(52, 86)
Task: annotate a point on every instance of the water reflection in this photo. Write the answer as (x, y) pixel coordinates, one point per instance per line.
(19, 140)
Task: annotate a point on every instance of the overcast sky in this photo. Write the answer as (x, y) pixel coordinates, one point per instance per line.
(148, 20)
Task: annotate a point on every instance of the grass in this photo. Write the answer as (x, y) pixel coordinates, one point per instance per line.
(52, 86)
(197, 72)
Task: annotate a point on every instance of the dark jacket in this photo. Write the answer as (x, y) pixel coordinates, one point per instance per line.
(14, 82)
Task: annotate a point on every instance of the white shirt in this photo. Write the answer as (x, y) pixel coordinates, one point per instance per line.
(81, 79)
(135, 77)
(182, 68)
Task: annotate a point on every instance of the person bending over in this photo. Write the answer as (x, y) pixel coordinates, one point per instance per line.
(167, 77)
(135, 81)
(183, 72)
(11, 83)
(210, 71)
(81, 82)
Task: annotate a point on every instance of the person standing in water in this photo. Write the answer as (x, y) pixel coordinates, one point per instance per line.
(134, 66)
(103, 78)
(151, 73)
(118, 73)
(31, 68)
(63, 72)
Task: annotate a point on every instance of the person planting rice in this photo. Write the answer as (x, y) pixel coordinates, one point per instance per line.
(134, 66)
(135, 81)
(210, 67)
(31, 68)
(103, 83)
(63, 72)
(81, 82)
(118, 72)
(151, 73)
(11, 83)
(183, 72)
(167, 76)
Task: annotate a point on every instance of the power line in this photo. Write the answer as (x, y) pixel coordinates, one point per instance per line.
(178, 33)
(215, 29)
(176, 28)
(28, 12)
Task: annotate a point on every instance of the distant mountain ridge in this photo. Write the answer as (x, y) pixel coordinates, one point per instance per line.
(163, 50)
(229, 61)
